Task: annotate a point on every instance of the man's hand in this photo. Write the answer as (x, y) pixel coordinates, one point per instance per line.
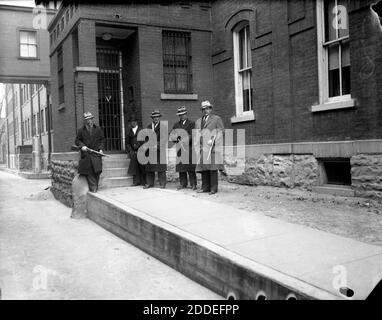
(84, 148)
(209, 143)
(100, 151)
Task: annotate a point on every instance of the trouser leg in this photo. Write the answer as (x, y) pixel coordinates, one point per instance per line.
(93, 179)
(183, 179)
(192, 177)
(206, 181)
(214, 180)
(150, 178)
(162, 178)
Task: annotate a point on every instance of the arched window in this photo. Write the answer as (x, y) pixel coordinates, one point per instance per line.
(243, 69)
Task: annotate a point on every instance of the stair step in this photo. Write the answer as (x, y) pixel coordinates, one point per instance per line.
(114, 172)
(116, 163)
(116, 155)
(115, 182)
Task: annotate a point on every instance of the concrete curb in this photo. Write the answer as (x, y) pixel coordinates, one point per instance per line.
(211, 265)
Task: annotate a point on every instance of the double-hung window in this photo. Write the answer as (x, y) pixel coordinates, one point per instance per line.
(243, 69)
(28, 44)
(333, 54)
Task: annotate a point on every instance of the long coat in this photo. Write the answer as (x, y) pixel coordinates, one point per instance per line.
(95, 141)
(161, 138)
(132, 146)
(215, 162)
(187, 126)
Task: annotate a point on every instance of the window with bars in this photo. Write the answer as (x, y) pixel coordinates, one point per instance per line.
(243, 69)
(28, 44)
(177, 70)
(60, 72)
(335, 50)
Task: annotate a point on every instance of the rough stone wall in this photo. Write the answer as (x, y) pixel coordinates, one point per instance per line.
(275, 170)
(63, 172)
(366, 172)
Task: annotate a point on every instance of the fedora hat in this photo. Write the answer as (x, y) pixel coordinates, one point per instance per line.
(88, 115)
(155, 113)
(205, 104)
(181, 110)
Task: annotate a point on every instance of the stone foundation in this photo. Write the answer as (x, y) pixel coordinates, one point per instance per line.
(64, 168)
(275, 170)
(366, 172)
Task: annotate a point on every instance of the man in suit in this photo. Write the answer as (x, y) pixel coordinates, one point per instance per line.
(90, 137)
(175, 136)
(210, 160)
(136, 169)
(157, 166)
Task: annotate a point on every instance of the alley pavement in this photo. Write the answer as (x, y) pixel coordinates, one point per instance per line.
(44, 254)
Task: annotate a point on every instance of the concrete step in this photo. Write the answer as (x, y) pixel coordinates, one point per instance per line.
(335, 190)
(114, 172)
(116, 155)
(115, 182)
(116, 163)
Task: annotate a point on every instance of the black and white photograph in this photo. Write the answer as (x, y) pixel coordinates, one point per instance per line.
(207, 151)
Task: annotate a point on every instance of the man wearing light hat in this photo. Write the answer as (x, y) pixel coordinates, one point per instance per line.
(151, 168)
(184, 168)
(90, 137)
(210, 158)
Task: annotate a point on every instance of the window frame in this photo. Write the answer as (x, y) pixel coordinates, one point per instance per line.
(323, 59)
(188, 55)
(19, 30)
(239, 72)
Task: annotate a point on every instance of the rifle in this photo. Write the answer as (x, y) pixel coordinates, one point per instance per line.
(78, 148)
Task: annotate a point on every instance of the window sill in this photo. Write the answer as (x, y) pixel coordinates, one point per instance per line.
(349, 103)
(28, 58)
(250, 116)
(178, 96)
(61, 107)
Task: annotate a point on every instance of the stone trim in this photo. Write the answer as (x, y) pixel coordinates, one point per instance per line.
(86, 69)
(334, 105)
(65, 156)
(176, 96)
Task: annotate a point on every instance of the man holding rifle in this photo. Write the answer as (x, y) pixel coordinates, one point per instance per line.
(210, 137)
(90, 138)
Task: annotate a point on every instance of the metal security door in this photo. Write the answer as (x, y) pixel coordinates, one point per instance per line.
(110, 97)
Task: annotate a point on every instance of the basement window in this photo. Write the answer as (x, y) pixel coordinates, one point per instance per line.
(337, 171)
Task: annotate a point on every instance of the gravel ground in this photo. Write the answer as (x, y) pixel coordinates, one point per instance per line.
(351, 217)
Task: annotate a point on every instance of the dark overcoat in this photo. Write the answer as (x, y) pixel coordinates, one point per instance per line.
(187, 126)
(95, 141)
(161, 138)
(216, 127)
(132, 146)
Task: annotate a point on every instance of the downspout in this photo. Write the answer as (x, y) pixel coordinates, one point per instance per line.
(48, 106)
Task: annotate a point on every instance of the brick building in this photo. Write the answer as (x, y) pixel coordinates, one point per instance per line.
(301, 77)
(25, 71)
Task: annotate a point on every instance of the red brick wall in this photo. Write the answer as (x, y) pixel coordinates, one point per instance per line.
(285, 72)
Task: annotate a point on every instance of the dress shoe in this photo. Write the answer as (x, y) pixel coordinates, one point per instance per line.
(180, 187)
(146, 187)
(162, 187)
(202, 191)
(135, 184)
(193, 187)
(212, 192)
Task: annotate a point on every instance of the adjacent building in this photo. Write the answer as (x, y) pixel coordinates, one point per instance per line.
(303, 78)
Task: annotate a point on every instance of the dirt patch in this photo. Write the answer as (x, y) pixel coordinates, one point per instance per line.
(352, 217)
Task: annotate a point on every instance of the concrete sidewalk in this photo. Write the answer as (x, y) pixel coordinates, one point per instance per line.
(234, 251)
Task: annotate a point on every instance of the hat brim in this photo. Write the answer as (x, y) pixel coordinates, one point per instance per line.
(205, 107)
(156, 116)
(87, 118)
(181, 113)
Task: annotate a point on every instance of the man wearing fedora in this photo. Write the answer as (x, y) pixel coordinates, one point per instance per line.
(210, 159)
(136, 169)
(151, 168)
(184, 168)
(90, 137)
